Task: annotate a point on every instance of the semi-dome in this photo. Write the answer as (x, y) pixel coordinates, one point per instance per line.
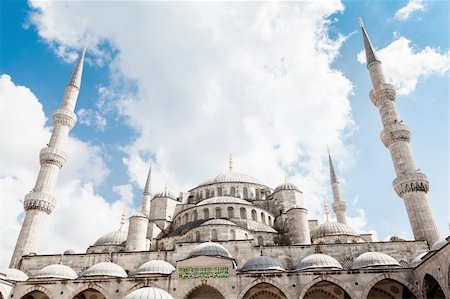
(113, 238)
(286, 186)
(374, 259)
(223, 199)
(105, 269)
(218, 222)
(56, 271)
(210, 249)
(254, 226)
(263, 263)
(155, 267)
(14, 274)
(439, 244)
(165, 193)
(418, 259)
(231, 177)
(149, 293)
(332, 229)
(318, 261)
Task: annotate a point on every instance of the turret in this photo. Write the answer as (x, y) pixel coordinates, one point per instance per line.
(40, 201)
(339, 205)
(410, 184)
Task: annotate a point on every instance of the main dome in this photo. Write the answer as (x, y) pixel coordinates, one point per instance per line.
(113, 238)
(155, 267)
(332, 229)
(149, 293)
(231, 177)
(105, 269)
(263, 263)
(374, 259)
(56, 271)
(318, 261)
(223, 199)
(210, 249)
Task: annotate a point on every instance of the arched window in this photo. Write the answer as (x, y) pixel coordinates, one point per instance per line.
(212, 192)
(270, 220)
(263, 218)
(186, 218)
(214, 235)
(245, 192)
(207, 193)
(254, 215)
(232, 191)
(218, 213)
(260, 241)
(197, 236)
(256, 194)
(219, 191)
(205, 213)
(232, 235)
(246, 236)
(243, 213)
(195, 215)
(230, 212)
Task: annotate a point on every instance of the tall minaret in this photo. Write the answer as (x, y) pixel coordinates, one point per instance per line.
(410, 184)
(147, 195)
(40, 201)
(339, 205)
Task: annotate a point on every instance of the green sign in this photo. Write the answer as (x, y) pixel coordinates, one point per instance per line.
(206, 272)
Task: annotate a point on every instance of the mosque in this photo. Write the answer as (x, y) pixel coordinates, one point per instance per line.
(234, 237)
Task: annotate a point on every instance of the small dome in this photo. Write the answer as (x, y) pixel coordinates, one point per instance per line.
(231, 177)
(155, 267)
(165, 193)
(223, 199)
(439, 244)
(105, 269)
(286, 186)
(219, 222)
(14, 274)
(149, 293)
(263, 263)
(113, 238)
(69, 251)
(418, 259)
(332, 229)
(57, 271)
(210, 249)
(374, 259)
(318, 261)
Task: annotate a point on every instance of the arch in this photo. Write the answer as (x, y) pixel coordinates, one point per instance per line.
(37, 289)
(186, 218)
(205, 213)
(269, 220)
(195, 215)
(232, 191)
(245, 193)
(207, 193)
(232, 235)
(202, 285)
(89, 286)
(230, 211)
(254, 215)
(316, 281)
(214, 236)
(431, 288)
(243, 213)
(263, 218)
(256, 194)
(260, 241)
(219, 191)
(393, 277)
(258, 286)
(218, 213)
(197, 236)
(389, 288)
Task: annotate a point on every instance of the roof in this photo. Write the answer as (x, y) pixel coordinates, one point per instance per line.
(57, 271)
(149, 293)
(112, 238)
(418, 259)
(286, 186)
(210, 249)
(263, 263)
(181, 230)
(318, 261)
(231, 177)
(439, 244)
(332, 229)
(374, 259)
(105, 269)
(223, 199)
(155, 267)
(14, 274)
(165, 193)
(253, 225)
(219, 222)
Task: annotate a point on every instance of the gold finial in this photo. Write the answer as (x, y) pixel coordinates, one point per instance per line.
(326, 210)
(360, 22)
(230, 164)
(85, 47)
(122, 219)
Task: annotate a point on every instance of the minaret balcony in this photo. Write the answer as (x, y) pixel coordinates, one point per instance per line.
(394, 133)
(411, 182)
(339, 206)
(386, 93)
(64, 117)
(52, 155)
(39, 201)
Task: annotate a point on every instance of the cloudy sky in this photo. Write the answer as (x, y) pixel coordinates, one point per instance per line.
(182, 85)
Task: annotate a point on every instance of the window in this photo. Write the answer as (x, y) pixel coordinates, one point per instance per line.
(230, 212)
(219, 191)
(243, 213)
(197, 236)
(205, 214)
(260, 241)
(254, 216)
(195, 215)
(245, 192)
(232, 191)
(232, 235)
(213, 235)
(257, 194)
(218, 213)
(186, 218)
(207, 193)
(263, 218)
(270, 220)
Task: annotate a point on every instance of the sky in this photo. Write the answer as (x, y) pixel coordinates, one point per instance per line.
(182, 85)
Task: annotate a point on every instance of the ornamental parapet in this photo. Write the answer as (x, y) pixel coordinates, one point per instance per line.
(64, 117)
(394, 133)
(386, 93)
(39, 201)
(52, 155)
(411, 182)
(339, 206)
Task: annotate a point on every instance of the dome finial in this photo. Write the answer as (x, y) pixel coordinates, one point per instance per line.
(326, 210)
(122, 219)
(361, 23)
(230, 164)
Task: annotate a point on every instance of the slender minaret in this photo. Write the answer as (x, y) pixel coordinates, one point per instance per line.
(147, 195)
(410, 184)
(40, 201)
(339, 205)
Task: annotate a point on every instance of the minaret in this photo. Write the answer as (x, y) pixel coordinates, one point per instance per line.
(40, 201)
(410, 184)
(339, 205)
(147, 195)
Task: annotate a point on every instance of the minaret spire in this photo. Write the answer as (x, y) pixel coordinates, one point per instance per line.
(339, 205)
(147, 195)
(410, 184)
(40, 201)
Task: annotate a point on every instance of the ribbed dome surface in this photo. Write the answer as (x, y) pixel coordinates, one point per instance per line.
(210, 249)
(155, 267)
(374, 259)
(332, 229)
(14, 274)
(56, 271)
(263, 263)
(105, 269)
(219, 222)
(223, 199)
(165, 193)
(286, 186)
(232, 177)
(149, 293)
(439, 244)
(318, 261)
(113, 238)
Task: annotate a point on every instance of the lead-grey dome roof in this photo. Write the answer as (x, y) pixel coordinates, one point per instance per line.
(223, 199)
(105, 269)
(165, 193)
(263, 263)
(286, 186)
(219, 222)
(112, 238)
(210, 249)
(14, 274)
(439, 244)
(56, 271)
(231, 177)
(374, 259)
(318, 261)
(332, 229)
(149, 293)
(155, 267)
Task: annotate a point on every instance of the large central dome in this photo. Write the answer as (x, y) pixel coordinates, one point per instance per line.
(232, 177)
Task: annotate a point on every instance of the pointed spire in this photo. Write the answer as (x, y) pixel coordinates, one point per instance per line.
(332, 172)
(75, 80)
(230, 164)
(370, 52)
(148, 183)
(326, 210)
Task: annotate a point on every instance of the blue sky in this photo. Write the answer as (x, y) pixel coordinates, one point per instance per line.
(174, 85)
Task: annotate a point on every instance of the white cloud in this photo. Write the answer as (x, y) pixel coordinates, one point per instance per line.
(404, 67)
(76, 221)
(406, 11)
